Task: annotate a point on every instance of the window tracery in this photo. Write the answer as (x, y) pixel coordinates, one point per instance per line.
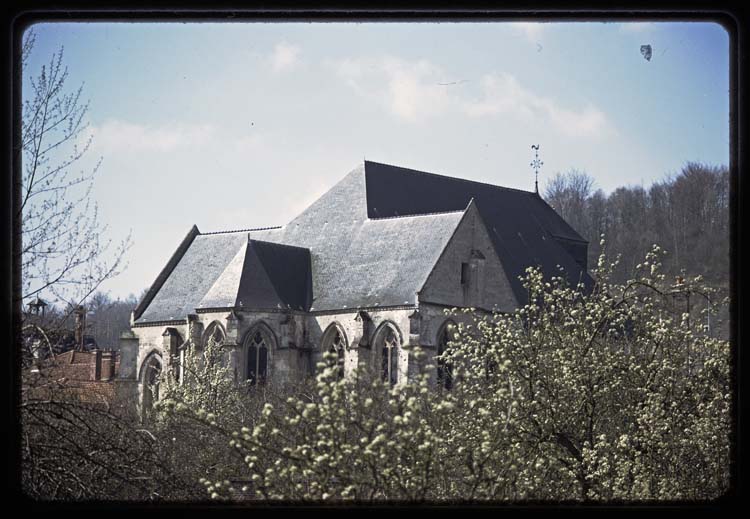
(389, 344)
(257, 357)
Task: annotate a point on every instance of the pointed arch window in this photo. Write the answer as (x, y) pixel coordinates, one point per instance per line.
(444, 371)
(388, 343)
(334, 342)
(179, 372)
(257, 357)
(150, 378)
(153, 374)
(214, 333)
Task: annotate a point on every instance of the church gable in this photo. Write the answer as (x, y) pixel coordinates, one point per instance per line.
(468, 272)
(263, 276)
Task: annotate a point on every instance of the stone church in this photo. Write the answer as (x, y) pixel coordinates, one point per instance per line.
(365, 271)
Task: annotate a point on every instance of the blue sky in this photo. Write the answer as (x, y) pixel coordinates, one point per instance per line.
(241, 125)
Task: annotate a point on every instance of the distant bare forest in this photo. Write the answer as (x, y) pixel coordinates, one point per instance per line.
(686, 214)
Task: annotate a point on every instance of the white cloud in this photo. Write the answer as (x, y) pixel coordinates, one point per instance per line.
(504, 95)
(531, 30)
(246, 143)
(412, 89)
(284, 57)
(415, 91)
(115, 135)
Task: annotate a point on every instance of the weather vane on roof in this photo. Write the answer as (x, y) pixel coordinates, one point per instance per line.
(536, 164)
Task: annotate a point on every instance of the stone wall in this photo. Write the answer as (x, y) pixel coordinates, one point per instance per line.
(487, 285)
(297, 340)
(360, 329)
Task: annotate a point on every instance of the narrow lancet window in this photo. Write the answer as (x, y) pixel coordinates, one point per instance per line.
(444, 371)
(389, 347)
(257, 359)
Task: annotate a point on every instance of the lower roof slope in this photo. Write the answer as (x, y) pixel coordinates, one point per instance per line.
(193, 275)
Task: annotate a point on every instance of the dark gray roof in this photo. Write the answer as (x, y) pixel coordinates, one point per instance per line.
(359, 262)
(525, 230)
(263, 276)
(205, 259)
(355, 261)
(371, 240)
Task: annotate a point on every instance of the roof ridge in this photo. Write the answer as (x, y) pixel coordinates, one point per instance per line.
(451, 178)
(416, 215)
(243, 230)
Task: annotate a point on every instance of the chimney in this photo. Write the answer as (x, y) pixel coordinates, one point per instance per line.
(108, 365)
(80, 312)
(96, 366)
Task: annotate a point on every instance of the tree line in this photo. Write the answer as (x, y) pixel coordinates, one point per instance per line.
(686, 214)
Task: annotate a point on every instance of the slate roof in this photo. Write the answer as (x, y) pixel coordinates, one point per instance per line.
(371, 240)
(201, 264)
(263, 276)
(525, 230)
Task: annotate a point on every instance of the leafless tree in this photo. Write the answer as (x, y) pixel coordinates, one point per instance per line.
(69, 448)
(686, 213)
(65, 249)
(568, 193)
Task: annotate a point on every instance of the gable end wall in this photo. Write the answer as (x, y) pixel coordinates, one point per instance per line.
(443, 286)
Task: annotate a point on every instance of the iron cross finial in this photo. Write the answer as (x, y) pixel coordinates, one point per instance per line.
(536, 164)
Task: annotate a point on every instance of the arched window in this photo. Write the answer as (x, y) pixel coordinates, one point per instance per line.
(179, 372)
(173, 343)
(257, 343)
(388, 343)
(150, 375)
(334, 342)
(444, 371)
(215, 333)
